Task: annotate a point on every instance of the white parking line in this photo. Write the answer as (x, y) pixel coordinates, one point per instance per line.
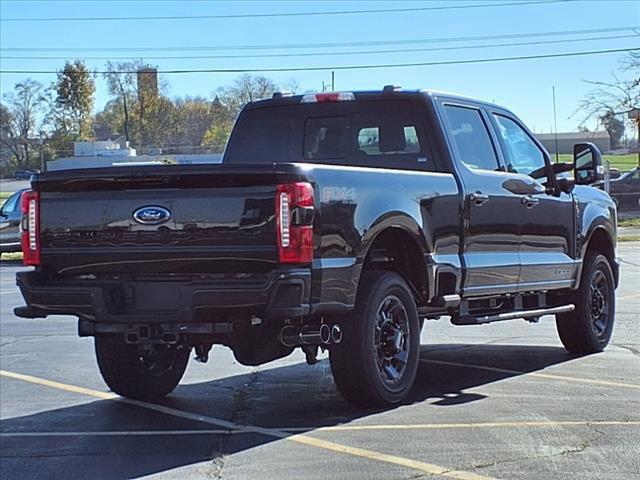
(337, 428)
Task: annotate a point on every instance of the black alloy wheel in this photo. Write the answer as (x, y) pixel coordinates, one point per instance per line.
(376, 362)
(589, 327)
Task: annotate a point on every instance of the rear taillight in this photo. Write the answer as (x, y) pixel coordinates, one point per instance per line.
(294, 222)
(31, 228)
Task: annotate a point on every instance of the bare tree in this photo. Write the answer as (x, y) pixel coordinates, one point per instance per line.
(292, 86)
(246, 88)
(617, 97)
(19, 119)
(121, 82)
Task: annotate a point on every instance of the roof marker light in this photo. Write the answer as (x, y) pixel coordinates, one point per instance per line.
(328, 97)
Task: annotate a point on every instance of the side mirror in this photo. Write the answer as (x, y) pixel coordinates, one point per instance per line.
(587, 164)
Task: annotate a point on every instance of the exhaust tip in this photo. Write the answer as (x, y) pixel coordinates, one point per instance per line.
(336, 334)
(325, 333)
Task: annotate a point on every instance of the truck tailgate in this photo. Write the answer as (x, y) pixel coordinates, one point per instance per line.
(219, 219)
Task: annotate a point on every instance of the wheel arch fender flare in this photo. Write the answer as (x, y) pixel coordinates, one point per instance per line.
(413, 232)
(600, 237)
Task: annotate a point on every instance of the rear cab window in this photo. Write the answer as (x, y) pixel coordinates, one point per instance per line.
(471, 137)
(383, 133)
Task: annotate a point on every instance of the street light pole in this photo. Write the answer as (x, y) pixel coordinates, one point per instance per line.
(43, 167)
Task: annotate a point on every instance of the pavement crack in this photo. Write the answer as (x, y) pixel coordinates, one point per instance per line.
(216, 466)
(627, 347)
(241, 398)
(565, 451)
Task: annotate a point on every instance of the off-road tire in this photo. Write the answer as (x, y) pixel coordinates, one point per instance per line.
(588, 328)
(358, 362)
(128, 373)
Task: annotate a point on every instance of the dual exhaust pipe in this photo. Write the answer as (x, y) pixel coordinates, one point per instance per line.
(295, 336)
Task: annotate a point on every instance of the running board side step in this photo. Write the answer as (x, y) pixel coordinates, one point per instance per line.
(538, 312)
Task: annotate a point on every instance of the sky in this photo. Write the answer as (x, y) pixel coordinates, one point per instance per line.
(524, 86)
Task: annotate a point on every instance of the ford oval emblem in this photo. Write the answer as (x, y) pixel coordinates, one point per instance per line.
(152, 215)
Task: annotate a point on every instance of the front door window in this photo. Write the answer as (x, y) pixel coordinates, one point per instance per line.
(522, 155)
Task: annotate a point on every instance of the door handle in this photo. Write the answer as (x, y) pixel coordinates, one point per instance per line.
(530, 202)
(478, 198)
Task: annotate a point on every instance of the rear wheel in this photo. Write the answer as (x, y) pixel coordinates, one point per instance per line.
(588, 328)
(141, 372)
(377, 360)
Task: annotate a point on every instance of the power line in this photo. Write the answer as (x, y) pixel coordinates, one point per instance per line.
(633, 28)
(348, 67)
(283, 14)
(317, 54)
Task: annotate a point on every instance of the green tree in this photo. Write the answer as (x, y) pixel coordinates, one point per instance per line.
(144, 110)
(75, 89)
(109, 122)
(70, 107)
(216, 137)
(614, 127)
(193, 117)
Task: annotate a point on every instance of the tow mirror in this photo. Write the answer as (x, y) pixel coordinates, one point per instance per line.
(587, 164)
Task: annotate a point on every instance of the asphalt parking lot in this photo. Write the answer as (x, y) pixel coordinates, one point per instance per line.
(497, 401)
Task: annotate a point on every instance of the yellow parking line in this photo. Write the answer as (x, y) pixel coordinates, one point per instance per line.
(59, 386)
(382, 457)
(423, 467)
(604, 383)
(442, 426)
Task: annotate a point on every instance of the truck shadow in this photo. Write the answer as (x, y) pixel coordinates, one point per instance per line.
(294, 398)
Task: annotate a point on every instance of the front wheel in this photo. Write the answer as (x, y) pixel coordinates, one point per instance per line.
(589, 327)
(140, 372)
(376, 362)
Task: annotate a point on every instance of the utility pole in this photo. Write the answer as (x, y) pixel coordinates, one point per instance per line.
(333, 81)
(555, 121)
(634, 115)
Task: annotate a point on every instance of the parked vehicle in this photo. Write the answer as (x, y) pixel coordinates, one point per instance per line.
(24, 174)
(336, 220)
(625, 190)
(10, 216)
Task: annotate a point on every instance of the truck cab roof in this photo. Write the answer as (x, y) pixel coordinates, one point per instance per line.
(389, 92)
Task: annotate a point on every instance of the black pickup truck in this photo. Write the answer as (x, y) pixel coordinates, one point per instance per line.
(338, 221)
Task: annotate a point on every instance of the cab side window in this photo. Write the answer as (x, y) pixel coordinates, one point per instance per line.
(521, 153)
(471, 137)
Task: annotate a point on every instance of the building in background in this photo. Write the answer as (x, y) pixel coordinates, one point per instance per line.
(103, 148)
(109, 153)
(567, 140)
